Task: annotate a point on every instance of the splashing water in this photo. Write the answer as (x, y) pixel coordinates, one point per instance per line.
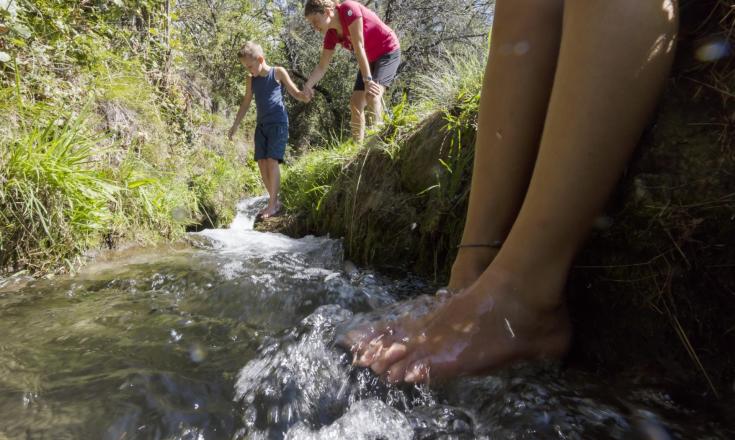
(232, 336)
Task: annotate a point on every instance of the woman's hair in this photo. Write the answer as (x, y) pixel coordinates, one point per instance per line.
(250, 50)
(317, 6)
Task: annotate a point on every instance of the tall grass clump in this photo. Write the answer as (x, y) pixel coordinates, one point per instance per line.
(454, 91)
(53, 203)
(219, 180)
(310, 178)
(151, 204)
(451, 83)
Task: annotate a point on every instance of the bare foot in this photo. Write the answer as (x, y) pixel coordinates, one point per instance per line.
(485, 327)
(470, 263)
(387, 321)
(272, 211)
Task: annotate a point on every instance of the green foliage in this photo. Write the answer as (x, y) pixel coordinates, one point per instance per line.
(457, 81)
(211, 33)
(148, 162)
(397, 123)
(53, 204)
(310, 178)
(152, 203)
(218, 181)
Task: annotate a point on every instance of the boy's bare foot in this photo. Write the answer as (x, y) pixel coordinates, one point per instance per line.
(272, 211)
(487, 326)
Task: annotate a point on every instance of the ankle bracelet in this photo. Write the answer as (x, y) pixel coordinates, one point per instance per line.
(495, 244)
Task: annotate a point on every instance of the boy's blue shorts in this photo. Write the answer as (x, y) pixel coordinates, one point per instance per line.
(270, 141)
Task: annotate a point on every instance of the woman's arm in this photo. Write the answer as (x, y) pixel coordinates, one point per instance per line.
(358, 45)
(318, 73)
(244, 106)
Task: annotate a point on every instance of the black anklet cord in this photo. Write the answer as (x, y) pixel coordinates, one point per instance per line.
(496, 244)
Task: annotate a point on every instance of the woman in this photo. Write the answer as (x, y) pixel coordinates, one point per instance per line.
(376, 49)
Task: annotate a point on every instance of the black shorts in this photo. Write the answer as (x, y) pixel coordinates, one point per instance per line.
(383, 70)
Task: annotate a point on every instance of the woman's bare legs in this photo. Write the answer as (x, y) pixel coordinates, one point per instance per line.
(365, 108)
(524, 52)
(374, 107)
(357, 115)
(613, 61)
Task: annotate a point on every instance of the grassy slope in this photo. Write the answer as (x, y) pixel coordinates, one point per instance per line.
(99, 146)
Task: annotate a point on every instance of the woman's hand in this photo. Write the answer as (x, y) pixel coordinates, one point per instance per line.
(373, 89)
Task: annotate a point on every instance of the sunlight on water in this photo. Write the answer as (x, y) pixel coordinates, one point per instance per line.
(232, 336)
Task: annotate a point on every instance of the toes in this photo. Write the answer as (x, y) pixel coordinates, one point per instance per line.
(397, 372)
(417, 372)
(383, 359)
(371, 352)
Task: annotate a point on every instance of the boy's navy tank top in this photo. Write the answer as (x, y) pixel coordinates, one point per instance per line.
(269, 99)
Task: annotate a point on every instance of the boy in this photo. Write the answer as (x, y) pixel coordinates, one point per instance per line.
(271, 131)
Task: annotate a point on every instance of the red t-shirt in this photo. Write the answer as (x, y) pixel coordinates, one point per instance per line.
(379, 38)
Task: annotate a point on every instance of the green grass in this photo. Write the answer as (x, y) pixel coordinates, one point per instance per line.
(53, 203)
(309, 179)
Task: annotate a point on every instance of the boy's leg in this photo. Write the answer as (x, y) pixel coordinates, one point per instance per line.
(357, 115)
(274, 185)
(263, 167)
(523, 52)
(613, 62)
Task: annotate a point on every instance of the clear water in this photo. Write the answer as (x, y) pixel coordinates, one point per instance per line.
(230, 336)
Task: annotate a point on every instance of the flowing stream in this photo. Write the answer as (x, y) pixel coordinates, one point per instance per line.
(229, 336)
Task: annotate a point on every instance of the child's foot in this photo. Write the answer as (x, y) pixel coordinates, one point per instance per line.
(272, 211)
(487, 326)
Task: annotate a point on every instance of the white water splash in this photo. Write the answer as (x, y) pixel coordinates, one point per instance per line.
(240, 238)
(365, 420)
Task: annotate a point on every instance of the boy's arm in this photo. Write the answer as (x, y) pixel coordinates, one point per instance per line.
(244, 106)
(284, 78)
(321, 68)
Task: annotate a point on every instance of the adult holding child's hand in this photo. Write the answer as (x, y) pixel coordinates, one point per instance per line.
(376, 49)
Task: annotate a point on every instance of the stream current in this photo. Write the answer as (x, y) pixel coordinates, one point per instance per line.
(230, 336)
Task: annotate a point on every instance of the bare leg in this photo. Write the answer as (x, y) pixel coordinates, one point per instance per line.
(524, 51)
(274, 184)
(374, 113)
(357, 115)
(613, 61)
(262, 166)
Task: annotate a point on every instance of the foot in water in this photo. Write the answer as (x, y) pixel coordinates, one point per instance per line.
(487, 326)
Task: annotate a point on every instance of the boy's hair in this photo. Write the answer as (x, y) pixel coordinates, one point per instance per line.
(317, 6)
(250, 50)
